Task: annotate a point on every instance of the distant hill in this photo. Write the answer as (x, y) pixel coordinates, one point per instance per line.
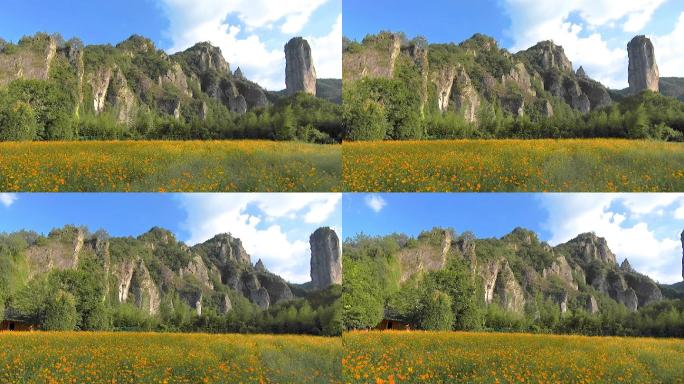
(329, 89)
(673, 87)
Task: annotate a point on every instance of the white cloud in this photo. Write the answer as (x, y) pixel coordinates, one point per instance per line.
(631, 223)
(669, 50)
(594, 33)
(258, 219)
(247, 41)
(327, 52)
(375, 202)
(8, 199)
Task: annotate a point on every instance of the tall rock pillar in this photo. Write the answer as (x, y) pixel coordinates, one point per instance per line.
(326, 258)
(300, 74)
(643, 70)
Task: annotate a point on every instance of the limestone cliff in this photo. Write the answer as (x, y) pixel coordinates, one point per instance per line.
(476, 76)
(135, 76)
(155, 266)
(578, 274)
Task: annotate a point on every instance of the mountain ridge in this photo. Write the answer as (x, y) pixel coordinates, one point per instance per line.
(154, 270)
(516, 274)
(480, 84)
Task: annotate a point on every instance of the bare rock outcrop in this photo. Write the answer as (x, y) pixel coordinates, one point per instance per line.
(378, 62)
(550, 56)
(465, 96)
(508, 291)
(643, 70)
(326, 258)
(300, 73)
(592, 305)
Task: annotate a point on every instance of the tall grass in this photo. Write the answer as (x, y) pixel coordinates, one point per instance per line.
(167, 358)
(594, 165)
(456, 357)
(186, 166)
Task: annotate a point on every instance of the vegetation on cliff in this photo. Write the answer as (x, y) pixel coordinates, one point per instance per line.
(51, 89)
(399, 89)
(440, 281)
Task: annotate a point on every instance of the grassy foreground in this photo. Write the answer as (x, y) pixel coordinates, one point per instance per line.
(592, 165)
(186, 166)
(456, 357)
(167, 358)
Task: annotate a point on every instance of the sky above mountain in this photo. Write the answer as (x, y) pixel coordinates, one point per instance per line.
(645, 228)
(272, 227)
(251, 33)
(594, 33)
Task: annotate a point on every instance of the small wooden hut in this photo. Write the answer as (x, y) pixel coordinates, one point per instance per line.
(15, 321)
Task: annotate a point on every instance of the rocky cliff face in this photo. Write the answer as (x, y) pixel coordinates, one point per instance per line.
(300, 73)
(134, 75)
(143, 271)
(326, 258)
(516, 268)
(682, 254)
(643, 70)
(477, 74)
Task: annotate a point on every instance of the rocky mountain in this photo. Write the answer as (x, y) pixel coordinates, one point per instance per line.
(154, 267)
(135, 76)
(514, 270)
(478, 77)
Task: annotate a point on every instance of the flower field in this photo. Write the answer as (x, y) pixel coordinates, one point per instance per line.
(157, 166)
(456, 357)
(167, 358)
(595, 165)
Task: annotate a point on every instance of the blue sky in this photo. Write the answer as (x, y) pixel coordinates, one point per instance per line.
(94, 22)
(251, 33)
(645, 228)
(440, 21)
(273, 227)
(594, 33)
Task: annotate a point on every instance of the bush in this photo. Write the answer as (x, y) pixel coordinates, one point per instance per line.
(17, 122)
(60, 312)
(436, 314)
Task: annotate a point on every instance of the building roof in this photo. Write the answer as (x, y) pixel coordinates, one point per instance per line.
(12, 314)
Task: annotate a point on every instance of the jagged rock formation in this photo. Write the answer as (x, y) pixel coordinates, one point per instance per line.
(579, 274)
(682, 254)
(135, 76)
(143, 271)
(643, 70)
(477, 76)
(300, 73)
(326, 258)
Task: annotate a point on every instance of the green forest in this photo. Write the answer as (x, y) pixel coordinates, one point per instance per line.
(452, 298)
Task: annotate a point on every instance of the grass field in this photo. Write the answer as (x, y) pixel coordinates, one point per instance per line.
(152, 166)
(28, 358)
(455, 357)
(595, 165)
